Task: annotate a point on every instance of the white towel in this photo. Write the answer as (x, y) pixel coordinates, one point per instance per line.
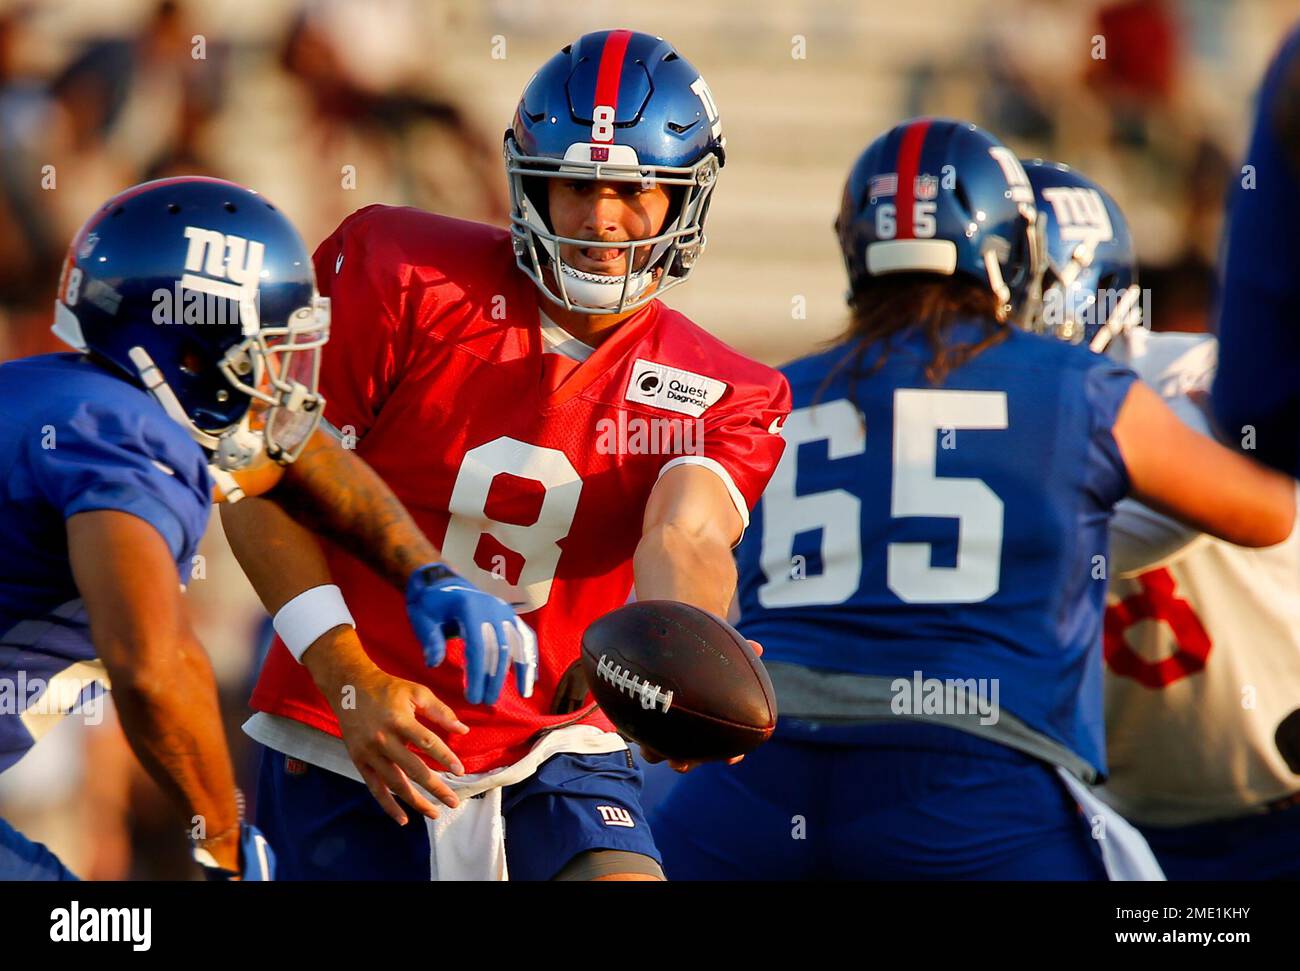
(465, 843)
(1124, 850)
(469, 842)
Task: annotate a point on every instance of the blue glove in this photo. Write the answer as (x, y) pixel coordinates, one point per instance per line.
(256, 858)
(441, 604)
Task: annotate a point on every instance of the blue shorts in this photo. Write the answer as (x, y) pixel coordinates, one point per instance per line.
(324, 826)
(21, 859)
(898, 801)
(1256, 847)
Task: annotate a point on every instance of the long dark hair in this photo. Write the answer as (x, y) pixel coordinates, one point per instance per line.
(885, 307)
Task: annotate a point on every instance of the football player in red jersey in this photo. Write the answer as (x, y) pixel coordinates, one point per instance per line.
(563, 438)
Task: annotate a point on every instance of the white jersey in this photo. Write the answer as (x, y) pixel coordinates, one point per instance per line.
(1202, 640)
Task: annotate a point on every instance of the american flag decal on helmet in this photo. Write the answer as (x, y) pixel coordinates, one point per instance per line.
(883, 185)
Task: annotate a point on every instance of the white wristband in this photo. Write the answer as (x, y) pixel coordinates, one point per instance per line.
(310, 614)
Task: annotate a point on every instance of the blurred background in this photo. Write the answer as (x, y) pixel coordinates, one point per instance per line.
(331, 105)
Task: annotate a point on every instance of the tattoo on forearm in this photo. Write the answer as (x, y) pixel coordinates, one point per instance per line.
(338, 495)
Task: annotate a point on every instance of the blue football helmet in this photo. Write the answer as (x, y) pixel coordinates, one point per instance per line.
(1090, 289)
(933, 195)
(201, 291)
(619, 106)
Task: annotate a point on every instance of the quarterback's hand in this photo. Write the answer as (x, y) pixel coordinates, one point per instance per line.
(677, 765)
(441, 604)
(653, 757)
(379, 716)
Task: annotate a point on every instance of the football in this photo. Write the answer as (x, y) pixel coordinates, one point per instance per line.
(679, 680)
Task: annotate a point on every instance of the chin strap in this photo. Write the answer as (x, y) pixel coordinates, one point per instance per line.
(592, 291)
(1000, 288)
(234, 449)
(156, 384)
(1124, 317)
(231, 491)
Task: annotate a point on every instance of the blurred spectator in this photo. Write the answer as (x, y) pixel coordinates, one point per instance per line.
(1137, 75)
(24, 236)
(426, 147)
(157, 86)
(292, 119)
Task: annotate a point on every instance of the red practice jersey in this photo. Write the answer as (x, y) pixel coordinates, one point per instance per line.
(533, 492)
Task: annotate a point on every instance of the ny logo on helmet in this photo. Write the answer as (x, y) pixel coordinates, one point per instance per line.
(1080, 214)
(701, 89)
(1018, 188)
(232, 266)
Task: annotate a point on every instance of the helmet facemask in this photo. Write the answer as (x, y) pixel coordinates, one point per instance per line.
(1076, 301)
(278, 369)
(1019, 298)
(672, 252)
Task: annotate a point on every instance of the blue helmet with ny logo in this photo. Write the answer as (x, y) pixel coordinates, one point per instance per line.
(1090, 289)
(943, 197)
(202, 292)
(618, 106)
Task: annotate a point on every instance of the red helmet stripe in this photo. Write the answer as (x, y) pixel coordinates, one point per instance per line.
(909, 157)
(611, 69)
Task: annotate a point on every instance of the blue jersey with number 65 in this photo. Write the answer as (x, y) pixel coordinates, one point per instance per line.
(957, 531)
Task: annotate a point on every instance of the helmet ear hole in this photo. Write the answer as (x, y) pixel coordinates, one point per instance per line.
(684, 259)
(962, 199)
(539, 197)
(1019, 259)
(676, 198)
(191, 361)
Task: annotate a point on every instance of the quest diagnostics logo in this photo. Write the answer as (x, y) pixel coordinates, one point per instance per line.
(673, 389)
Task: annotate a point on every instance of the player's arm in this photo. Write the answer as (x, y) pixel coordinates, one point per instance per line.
(163, 686)
(1142, 539)
(332, 492)
(699, 507)
(336, 494)
(1193, 478)
(283, 559)
(689, 528)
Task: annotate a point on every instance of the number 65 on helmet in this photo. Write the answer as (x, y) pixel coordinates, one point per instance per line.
(944, 197)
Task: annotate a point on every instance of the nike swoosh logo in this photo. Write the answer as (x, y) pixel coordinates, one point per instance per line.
(776, 426)
(338, 264)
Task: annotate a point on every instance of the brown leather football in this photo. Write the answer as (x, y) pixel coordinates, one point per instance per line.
(679, 680)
